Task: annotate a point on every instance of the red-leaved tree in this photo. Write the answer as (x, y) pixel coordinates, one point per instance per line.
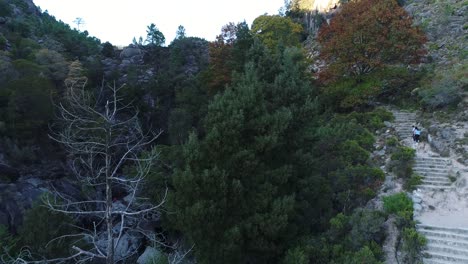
(366, 35)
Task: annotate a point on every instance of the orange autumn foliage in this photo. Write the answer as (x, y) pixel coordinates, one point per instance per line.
(367, 35)
(221, 53)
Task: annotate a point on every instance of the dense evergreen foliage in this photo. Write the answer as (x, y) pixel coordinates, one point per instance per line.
(263, 163)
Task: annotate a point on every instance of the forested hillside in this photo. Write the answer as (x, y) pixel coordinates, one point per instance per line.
(239, 150)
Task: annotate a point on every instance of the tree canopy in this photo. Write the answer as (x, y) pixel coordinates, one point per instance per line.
(367, 35)
(274, 30)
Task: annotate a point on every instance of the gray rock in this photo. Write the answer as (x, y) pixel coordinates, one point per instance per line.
(417, 207)
(129, 52)
(151, 255)
(417, 200)
(446, 133)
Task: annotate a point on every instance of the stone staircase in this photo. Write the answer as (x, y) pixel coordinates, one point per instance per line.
(403, 124)
(445, 245)
(435, 173)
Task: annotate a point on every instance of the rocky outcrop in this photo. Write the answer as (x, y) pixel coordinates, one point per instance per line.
(150, 255)
(16, 198)
(443, 22)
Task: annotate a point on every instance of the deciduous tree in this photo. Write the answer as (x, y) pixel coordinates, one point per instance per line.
(274, 30)
(367, 35)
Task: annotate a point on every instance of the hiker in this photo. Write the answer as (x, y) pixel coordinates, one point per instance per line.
(414, 128)
(417, 134)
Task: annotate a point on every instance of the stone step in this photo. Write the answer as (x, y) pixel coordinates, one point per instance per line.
(435, 178)
(435, 160)
(404, 125)
(403, 128)
(458, 230)
(454, 251)
(435, 261)
(425, 187)
(403, 132)
(436, 183)
(448, 242)
(405, 136)
(431, 173)
(429, 164)
(426, 169)
(447, 257)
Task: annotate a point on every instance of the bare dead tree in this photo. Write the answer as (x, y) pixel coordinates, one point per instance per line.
(79, 21)
(102, 137)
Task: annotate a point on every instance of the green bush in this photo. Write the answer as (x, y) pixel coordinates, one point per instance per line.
(446, 92)
(413, 245)
(363, 256)
(404, 154)
(399, 204)
(40, 229)
(7, 241)
(392, 142)
(296, 256)
(107, 50)
(18, 154)
(3, 42)
(30, 107)
(348, 93)
(402, 161)
(411, 183)
(5, 9)
(372, 120)
(445, 89)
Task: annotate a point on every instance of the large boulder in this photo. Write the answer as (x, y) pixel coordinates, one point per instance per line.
(15, 199)
(130, 52)
(151, 255)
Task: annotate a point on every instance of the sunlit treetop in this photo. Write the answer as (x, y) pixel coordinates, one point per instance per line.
(369, 34)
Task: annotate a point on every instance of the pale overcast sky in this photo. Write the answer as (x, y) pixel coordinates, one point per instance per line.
(118, 21)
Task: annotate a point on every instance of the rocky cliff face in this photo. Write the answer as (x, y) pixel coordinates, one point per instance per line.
(321, 6)
(445, 23)
(324, 5)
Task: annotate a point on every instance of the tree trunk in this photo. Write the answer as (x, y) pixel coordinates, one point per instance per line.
(110, 235)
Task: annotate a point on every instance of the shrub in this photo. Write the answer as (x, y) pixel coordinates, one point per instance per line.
(411, 183)
(392, 142)
(372, 120)
(3, 42)
(363, 256)
(16, 153)
(413, 244)
(404, 154)
(107, 50)
(366, 226)
(402, 161)
(41, 226)
(442, 94)
(296, 256)
(30, 107)
(5, 9)
(7, 241)
(446, 88)
(399, 204)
